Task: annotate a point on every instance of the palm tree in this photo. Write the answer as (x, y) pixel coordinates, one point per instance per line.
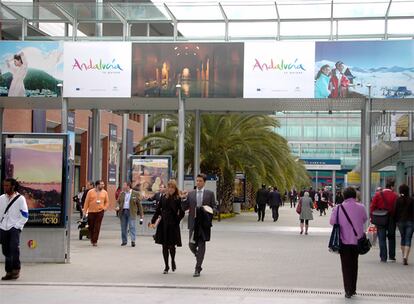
(231, 143)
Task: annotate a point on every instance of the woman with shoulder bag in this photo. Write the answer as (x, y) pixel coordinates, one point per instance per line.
(404, 217)
(350, 226)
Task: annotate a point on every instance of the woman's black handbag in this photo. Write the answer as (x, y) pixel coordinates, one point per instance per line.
(364, 245)
(335, 239)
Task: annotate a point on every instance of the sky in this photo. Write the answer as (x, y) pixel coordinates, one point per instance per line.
(368, 54)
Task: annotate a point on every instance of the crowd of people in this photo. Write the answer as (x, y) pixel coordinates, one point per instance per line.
(395, 211)
(388, 211)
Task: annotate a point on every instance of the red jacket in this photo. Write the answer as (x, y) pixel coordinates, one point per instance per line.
(378, 203)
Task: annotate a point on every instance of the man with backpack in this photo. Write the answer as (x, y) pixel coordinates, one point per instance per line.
(382, 215)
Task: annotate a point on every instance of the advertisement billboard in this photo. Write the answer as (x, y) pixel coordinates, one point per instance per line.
(30, 68)
(43, 186)
(148, 173)
(347, 68)
(96, 69)
(400, 127)
(239, 192)
(203, 69)
(113, 154)
(279, 69)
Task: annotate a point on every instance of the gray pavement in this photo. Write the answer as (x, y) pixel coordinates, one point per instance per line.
(246, 261)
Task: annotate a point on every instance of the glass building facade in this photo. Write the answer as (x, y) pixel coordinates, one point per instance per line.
(323, 136)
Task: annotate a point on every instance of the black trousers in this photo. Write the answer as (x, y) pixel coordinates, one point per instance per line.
(261, 210)
(10, 248)
(275, 213)
(349, 262)
(198, 249)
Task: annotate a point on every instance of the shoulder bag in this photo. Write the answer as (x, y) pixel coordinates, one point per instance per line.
(335, 239)
(299, 207)
(380, 217)
(364, 245)
(4, 214)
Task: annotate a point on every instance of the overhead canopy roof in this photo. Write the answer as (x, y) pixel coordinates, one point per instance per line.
(149, 105)
(279, 19)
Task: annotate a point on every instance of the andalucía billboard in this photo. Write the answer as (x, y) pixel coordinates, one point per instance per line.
(96, 69)
(279, 69)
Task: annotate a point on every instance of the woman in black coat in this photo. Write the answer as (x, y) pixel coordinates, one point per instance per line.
(168, 214)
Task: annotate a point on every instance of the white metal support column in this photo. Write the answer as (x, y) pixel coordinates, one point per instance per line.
(197, 143)
(181, 134)
(124, 155)
(99, 17)
(1, 135)
(96, 144)
(366, 151)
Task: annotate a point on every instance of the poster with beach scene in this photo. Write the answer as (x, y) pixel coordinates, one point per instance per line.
(37, 164)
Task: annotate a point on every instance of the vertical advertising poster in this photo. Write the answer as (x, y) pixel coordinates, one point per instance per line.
(113, 154)
(97, 69)
(400, 127)
(42, 185)
(348, 68)
(30, 68)
(279, 69)
(239, 192)
(72, 134)
(150, 172)
(203, 69)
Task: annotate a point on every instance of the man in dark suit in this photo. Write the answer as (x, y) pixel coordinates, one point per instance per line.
(193, 200)
(275, 201)
(262, 197)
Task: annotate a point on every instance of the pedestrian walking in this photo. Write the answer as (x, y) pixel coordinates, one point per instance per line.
(129, 205)
(306, 206)
(13, 215)
(275, 201)
(404, 217)
(194, 201)
(349, 249)
(385, 200)
(293, 197)
(262, 197)
(96, 203)
(169, 213)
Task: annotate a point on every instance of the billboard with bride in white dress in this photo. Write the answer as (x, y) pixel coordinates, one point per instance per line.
(31, 68)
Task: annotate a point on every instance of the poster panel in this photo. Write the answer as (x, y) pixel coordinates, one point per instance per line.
(30, 68)
(400, 127)
(97, 69)
(148, 173)
(42, 186)
(278, 69)
(203, 69)
(239, 193)
(113, 154)
(348, 68)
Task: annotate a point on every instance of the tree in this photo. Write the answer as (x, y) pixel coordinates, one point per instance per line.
(231, 143)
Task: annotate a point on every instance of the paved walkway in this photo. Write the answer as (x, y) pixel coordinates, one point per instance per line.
(246, 262)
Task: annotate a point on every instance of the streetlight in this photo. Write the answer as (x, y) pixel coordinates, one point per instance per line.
(181, 121)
